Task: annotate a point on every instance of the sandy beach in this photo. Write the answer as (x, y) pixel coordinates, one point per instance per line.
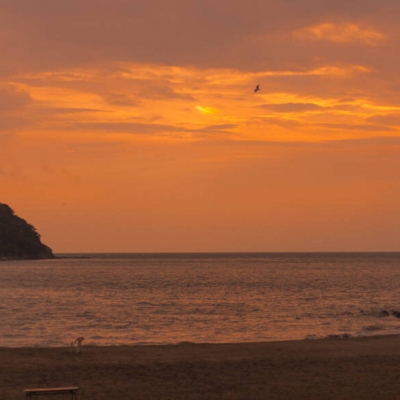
(350, 368)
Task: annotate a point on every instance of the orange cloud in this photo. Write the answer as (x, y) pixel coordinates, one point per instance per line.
(12, 99)
(341, 33)
(154, 101)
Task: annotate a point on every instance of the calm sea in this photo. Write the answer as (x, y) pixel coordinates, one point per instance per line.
(119, 299)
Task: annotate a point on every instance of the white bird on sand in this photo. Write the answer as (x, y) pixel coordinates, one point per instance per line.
(257, 89)
(78, 348)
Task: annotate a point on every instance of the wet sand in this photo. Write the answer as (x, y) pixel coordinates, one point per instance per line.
(352, 368)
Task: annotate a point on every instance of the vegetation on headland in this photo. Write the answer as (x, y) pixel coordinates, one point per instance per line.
(18, 239)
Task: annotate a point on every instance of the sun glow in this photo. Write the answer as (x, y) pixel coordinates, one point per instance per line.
(206, 110)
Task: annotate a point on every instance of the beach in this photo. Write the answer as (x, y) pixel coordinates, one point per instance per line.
(333, 368)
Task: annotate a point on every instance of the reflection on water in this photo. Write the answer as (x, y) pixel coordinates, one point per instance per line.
(170, 298)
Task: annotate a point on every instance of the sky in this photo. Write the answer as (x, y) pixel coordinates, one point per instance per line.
(133, 126)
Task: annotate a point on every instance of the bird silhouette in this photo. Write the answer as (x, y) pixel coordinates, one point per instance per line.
(257, 89)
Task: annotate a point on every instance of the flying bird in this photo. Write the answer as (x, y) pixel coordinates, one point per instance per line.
(257, 89)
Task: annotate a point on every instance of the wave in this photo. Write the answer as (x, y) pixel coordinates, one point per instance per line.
(369, 330)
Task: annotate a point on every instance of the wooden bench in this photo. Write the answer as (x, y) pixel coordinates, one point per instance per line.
(72, 390)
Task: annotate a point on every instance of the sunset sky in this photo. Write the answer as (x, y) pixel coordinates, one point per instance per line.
(133, 126)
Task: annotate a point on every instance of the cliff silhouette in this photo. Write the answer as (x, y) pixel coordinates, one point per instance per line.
(18, 239)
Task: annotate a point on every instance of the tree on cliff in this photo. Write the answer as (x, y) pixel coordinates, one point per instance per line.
(18, 239)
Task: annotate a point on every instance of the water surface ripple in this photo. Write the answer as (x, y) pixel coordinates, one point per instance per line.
(118, 299)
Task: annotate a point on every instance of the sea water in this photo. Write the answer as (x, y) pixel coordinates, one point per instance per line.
(132, 299)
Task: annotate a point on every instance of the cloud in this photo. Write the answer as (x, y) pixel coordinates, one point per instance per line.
(5, 136)
(292, 107)
(357, 127)
(143, 128)
(122, 99)
(13, 104)
(11, 124)
(120, 127)
(66, 110)
(12, 99)
(341, 33)
(326, 143)
(219, 128)
(386, 119)
(247, 35)
(121, 66)
(161, 92)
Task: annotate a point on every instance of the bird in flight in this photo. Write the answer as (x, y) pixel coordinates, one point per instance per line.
(257, 89)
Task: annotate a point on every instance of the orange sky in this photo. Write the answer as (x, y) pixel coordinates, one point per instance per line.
(129, 127)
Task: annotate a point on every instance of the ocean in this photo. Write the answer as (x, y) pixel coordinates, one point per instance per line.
(141, 299)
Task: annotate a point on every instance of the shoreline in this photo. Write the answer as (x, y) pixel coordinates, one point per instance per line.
(310, 337)
(332, 368)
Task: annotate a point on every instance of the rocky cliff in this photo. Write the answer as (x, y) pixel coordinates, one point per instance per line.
(18, 239)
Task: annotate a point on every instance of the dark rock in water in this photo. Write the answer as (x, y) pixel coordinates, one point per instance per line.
(384, 313)
(396, 313)
(18, 239)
